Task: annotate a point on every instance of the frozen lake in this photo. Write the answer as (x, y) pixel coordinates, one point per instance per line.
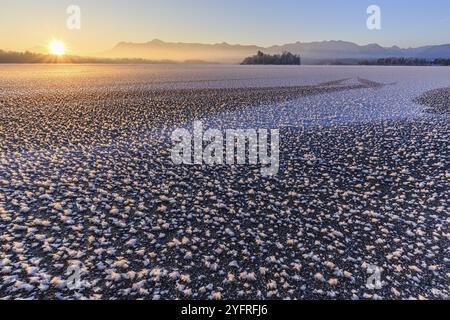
(218, 76)
(392, 100)
(87, 180)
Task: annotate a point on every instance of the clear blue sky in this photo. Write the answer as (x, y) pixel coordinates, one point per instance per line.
(28, 23)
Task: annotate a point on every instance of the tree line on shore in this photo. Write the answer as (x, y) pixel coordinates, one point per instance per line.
(395, 61)
(286, 58)
(31, 57)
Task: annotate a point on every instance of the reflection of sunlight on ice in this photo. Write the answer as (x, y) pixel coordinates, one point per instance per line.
(390, 102)
(387, 103)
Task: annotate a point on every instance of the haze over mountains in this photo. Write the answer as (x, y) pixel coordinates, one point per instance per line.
(157, 49)
(310, 52)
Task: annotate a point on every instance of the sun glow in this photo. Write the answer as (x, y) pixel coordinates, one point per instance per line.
(57, 48)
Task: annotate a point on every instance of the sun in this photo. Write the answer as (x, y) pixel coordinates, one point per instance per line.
(57, 48)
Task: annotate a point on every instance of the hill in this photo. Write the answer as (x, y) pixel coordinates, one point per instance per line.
(157, 49)
(312, 52)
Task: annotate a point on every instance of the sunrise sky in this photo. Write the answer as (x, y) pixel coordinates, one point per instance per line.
(30, 24)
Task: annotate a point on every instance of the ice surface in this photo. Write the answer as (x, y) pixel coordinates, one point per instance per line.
(86, 181)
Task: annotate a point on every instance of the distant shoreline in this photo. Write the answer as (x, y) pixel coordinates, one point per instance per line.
(210, 63)
(12, 57)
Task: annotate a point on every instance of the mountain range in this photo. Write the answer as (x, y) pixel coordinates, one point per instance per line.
(311, 52)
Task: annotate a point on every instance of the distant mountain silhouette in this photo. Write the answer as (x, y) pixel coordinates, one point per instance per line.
(350, 50)
(311, 52)
(157, 49)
